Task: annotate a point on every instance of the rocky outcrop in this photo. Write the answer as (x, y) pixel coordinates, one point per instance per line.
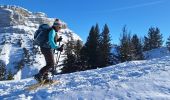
(13, 15)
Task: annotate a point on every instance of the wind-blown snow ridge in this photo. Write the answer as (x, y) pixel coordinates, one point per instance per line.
(157, 53)
(148, 79)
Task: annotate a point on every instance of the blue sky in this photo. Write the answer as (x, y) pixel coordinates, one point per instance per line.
(80, 15)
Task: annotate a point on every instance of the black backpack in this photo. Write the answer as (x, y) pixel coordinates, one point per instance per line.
(41, 35)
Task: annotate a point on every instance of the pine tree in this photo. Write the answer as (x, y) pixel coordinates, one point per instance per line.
(91, 48)
(72, 63)
(146, 46)
(85, 50)
(105, 58)
(153, 40)
(168, 43)
(2, 70)
(125, 46)
(158, 38)
(84, 58)
(70, 59)
(136, 48)
(77, 48)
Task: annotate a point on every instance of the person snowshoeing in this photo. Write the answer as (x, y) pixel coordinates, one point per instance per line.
(48, 52)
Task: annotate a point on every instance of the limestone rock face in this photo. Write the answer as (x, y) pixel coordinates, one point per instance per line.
(12, 15)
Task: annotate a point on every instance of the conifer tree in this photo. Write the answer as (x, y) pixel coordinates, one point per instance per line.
(168, 43)
(146, 46)
(158, 38)
(72, 62)
(137, 48)
(2, 70)
(84, 56)
(91, 48)
(153, 40)
(105, 58)
(77, 49)
(125, 46)
(70, 59)
(10, 76)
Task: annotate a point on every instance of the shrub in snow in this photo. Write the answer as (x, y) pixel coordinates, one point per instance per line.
(26, 55)
(20, 42)
(2, 70)
(20, 64)
(10, 75)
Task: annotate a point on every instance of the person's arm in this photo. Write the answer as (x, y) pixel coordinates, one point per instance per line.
(51, 38)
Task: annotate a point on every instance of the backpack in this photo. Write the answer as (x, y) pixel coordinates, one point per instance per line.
(41, 35)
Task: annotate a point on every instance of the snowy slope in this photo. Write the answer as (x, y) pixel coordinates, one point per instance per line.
(17, 28)
(156, 53)
(136, 80)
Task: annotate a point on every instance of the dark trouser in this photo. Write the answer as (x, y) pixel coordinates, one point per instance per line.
(49, 58)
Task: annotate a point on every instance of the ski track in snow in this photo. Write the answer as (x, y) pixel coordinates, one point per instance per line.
(126, 81)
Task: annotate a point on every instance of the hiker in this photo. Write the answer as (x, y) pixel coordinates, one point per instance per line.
(48, 51)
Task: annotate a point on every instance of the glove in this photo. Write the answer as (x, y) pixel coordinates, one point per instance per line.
(60, 48)
(59, 39)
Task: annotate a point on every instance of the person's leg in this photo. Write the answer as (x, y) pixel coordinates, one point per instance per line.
(49, 58)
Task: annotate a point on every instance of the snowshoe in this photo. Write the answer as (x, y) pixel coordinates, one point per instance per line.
(42, 84)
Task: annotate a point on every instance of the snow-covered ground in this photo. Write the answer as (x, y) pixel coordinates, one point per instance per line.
(135, 80)
(156, 53)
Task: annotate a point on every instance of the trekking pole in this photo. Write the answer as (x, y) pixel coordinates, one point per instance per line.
(58, 58)
(56, 61)
(57, 54)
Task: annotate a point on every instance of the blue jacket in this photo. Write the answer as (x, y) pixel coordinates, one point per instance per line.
(51, 38)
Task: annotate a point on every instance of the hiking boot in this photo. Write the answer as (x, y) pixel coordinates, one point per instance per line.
(38, 77)
(48, 81)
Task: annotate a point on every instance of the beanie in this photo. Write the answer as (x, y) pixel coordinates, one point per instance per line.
(57, 22)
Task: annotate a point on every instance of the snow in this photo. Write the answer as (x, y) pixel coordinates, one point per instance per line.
(147, 79)
(5, 52)
(156, 53)
(26, 28)
(18, 75)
